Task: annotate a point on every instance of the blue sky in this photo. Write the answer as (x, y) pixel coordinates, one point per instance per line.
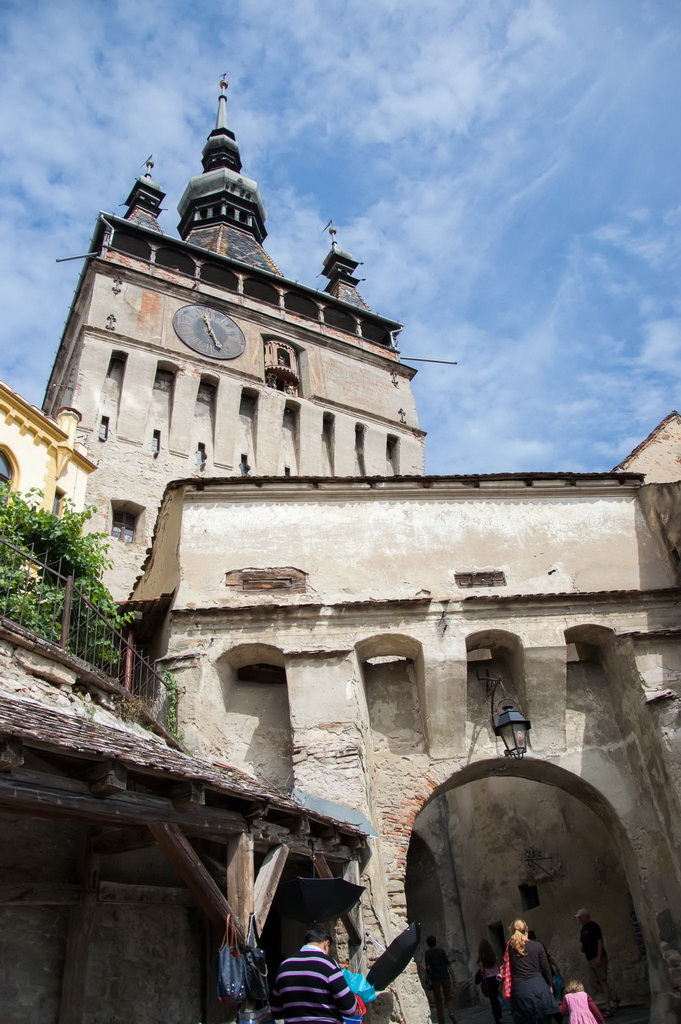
(507, 171)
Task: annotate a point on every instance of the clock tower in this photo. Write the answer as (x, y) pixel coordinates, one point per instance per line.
(195, 357)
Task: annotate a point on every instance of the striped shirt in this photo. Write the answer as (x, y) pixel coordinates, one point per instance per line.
(310, 987)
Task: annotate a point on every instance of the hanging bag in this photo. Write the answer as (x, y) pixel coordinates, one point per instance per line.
(255, 965)
(231, 967)
(506, 976)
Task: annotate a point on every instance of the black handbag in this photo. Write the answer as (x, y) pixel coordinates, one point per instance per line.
(255, 965)
(231, 967)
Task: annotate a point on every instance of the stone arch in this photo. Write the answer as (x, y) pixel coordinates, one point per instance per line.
(256, 713)
(393, 675)
(624, 823)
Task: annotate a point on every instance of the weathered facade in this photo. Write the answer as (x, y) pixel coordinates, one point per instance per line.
(386, 631)
(334, 621)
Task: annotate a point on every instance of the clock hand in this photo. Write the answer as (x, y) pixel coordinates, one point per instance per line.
(211, 331)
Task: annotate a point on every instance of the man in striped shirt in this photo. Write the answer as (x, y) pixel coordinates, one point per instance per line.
(310, 987)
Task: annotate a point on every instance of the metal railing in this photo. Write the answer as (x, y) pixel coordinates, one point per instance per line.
(40, 598)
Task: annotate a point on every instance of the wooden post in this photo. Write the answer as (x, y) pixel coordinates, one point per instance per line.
(266, 883)
(66, 613)
(355, 937)
(192, 870)
(240, 878)
(81, 921)
(356, 949)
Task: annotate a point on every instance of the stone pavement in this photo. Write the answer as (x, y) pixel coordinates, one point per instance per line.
(482, 1015)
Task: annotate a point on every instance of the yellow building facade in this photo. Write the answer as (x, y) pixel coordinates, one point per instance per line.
(38, 451)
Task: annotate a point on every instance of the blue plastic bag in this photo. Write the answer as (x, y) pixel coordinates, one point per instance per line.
(358, 984)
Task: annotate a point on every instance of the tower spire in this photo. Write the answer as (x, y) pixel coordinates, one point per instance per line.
(144, 201)
(221, 209)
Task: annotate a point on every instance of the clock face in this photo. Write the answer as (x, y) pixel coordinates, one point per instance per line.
(209, 332)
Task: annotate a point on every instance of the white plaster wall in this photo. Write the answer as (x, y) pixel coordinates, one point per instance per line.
(365, 548)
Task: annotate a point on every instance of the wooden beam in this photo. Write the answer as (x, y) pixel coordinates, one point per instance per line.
(78, 944)
(186, 795)
(42, 801)
(108, 778)
(13, 893)
(122, 840)
(351, 874)
(240, 878)
(146, 895)
(324, 871)
(266, 883)
(191, 869)
(11, 754)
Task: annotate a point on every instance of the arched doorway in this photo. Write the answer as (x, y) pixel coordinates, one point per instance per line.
(527, 838)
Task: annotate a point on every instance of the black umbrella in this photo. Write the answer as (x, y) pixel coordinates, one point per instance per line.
(396, 957)
(316, 899)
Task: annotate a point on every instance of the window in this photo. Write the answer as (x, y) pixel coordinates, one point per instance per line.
(123, 526)
(491, 578)
(392, 447)
(529, 896)
(104, 428)
(5, 470)
(57, 502)
(200, 456)
(117, 366)
(244, 468)
(156, 443)
(359, 450)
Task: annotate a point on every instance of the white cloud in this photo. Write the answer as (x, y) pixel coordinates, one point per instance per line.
(506, 169)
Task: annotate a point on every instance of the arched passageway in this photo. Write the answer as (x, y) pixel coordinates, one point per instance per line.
(525, 838)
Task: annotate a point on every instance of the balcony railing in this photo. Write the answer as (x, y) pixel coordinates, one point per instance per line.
(40, 598)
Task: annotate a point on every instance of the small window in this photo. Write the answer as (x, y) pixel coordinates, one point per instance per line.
(156, 443)
(287, 470)
(200, 456)
(244, 468)
(58, 502)
(117, 366)
(529, 897)
(359, 449)
(5, 470)
(283, 357)
(104, 428)
(206, 393)
(261, 674)
(123, 526)
(493, 578)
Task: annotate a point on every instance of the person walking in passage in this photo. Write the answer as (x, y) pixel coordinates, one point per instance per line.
(440, 974)
(593, 948)
(487, 977)
(579, 1005)
(532, 997)
(310, 986)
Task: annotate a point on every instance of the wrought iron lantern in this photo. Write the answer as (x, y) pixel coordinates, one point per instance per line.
(508, 720)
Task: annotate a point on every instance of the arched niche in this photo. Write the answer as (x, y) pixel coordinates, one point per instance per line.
(261, 291)
(492, 654)
(392, 672)
(173, 260)
(255, 712)
(590, 718)
(220, 276)
(301, 305)
(131, 245)
(338, 318)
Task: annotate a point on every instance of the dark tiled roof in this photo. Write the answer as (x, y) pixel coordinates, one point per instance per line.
(144, 219)
(39, 726)
(229, 241)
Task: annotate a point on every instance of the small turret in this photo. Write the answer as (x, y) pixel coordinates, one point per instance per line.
(339, 267)
(144, 201)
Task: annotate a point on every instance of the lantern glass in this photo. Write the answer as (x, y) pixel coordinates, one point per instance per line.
(512, 726)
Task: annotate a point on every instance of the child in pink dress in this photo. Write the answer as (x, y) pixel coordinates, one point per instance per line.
(579, 1005)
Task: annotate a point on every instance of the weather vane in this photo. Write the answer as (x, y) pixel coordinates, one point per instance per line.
(224, 84)
(332, 232)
